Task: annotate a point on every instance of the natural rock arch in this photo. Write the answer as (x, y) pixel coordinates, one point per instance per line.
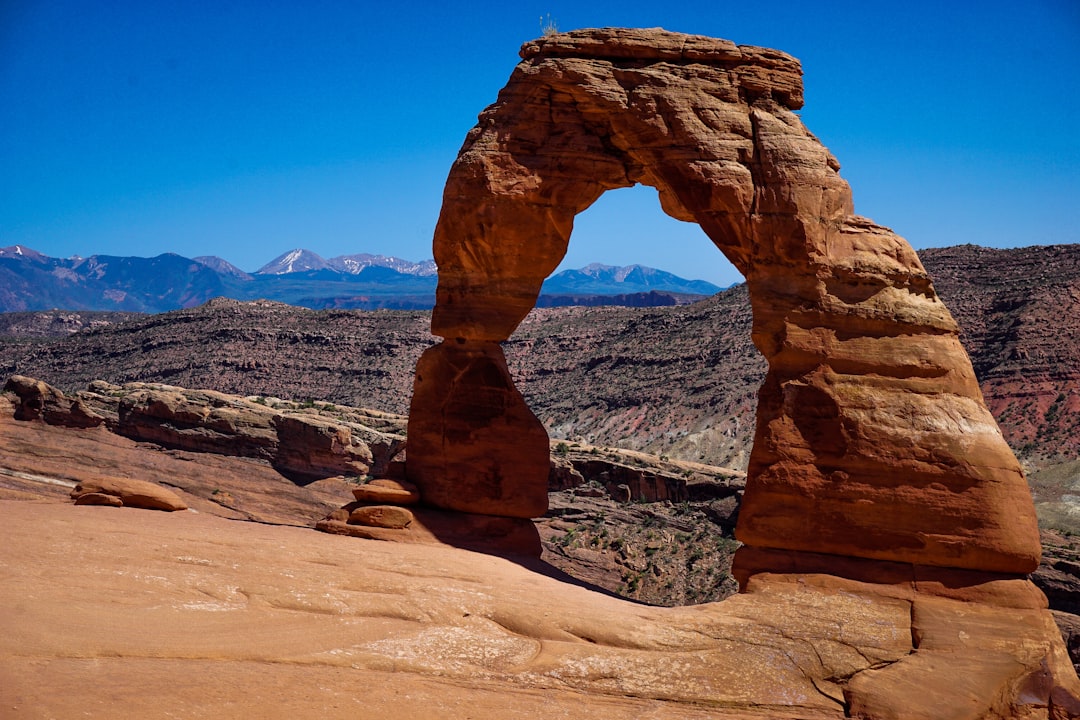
(872, 438)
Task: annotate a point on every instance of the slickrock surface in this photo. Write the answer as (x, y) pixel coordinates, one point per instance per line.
(225, 652)
(872, 437)
(113, 612)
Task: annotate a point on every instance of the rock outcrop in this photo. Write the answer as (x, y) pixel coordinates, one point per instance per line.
(300, 444)
(799, 643)
(40, 401)
(872, 438)
(875, 458)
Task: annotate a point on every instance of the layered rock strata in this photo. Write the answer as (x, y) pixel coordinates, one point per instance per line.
(300, 444)
(875, 458)
(872, 437)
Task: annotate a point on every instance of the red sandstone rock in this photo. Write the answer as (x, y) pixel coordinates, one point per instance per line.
(130, 493)
(318, 447)
(872, 437)
(474, 445)
(297, 620)
(382, 516)
(385, 490)
(296, 443)
(40, 401)
(95, 498)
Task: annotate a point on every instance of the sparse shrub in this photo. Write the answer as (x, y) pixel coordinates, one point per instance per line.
(548, 27)
(562, 449)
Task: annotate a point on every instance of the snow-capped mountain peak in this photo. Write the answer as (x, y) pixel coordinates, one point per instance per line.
(354, 264)
(298, 260)
(21, 252)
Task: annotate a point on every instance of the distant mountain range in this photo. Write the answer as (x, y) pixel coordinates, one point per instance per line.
(676, 381)
(305, 260)
(30, 280)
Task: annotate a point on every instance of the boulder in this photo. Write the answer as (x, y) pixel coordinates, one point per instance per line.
(126, 492)
(387, 491)
(392, 517)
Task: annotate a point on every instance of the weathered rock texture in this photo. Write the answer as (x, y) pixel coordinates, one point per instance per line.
(799, 643)
(872, 437)
(104, 611)
(40, 401)
(126, 492)
(474, 445)
(300, 442)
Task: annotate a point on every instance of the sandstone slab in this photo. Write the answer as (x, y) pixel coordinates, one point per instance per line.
(438, 632)
(97, 498)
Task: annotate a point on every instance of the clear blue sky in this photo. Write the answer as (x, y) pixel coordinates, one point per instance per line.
(246, 129)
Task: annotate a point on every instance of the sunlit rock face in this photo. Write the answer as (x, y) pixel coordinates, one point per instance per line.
(872, 437)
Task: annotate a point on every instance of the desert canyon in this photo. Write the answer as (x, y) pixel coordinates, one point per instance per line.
(887, 528)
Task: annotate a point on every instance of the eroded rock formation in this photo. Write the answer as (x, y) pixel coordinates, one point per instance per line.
(875, 458)
(872, 438)
(126, 492)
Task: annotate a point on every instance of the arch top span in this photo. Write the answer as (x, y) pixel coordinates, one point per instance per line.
(872, 437)
(707, 123)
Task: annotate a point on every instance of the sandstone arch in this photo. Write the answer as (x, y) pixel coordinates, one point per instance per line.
(872, 439)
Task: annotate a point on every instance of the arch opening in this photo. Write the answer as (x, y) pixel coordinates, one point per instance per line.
(627, 226)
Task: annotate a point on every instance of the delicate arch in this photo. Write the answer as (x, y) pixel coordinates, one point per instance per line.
(872, 438)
